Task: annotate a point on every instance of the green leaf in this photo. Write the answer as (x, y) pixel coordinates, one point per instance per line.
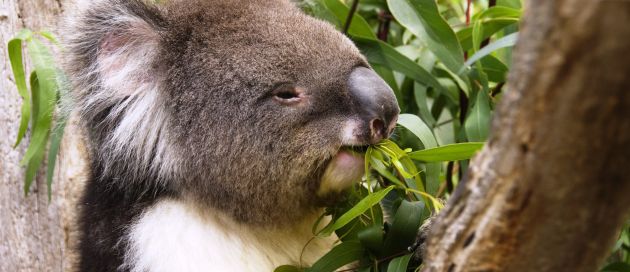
(15, 57)
(420, 95)
(423, 19)
(498, 12)
(404, 228)
(477, 35)
(452, 152)
(414, 124)
(49, 36)
(287, 268)
(382, 170)
(462, 82)
(372, 237)
(46, 97)
(383, 54)
(55, 141)
(496, 18)
(358, 209)
(494, 68)
(510, 3)
(399, 264)
(489, 27)
(33, 164)
(477, 124)
(358, 26)
(339, 256)
(506, 41)
(423, 132)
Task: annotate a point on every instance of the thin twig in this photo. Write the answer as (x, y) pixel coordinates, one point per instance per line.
(497, 89)
(353, 9)
(491, 3)
(384, 18)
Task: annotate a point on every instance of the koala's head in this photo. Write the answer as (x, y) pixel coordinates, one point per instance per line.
(244, 106)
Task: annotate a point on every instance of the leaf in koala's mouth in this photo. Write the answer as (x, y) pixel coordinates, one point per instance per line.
(356, 149)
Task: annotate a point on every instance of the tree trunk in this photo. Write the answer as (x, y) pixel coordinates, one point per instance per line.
(549, 192)
(35, 234)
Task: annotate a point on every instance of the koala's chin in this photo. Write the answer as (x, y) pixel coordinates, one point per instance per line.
(345, 168)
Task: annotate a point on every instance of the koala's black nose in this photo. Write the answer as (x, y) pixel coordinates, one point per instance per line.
(377, 104)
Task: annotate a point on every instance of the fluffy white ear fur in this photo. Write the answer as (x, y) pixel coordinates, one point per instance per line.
(128, 90)
(175, 236)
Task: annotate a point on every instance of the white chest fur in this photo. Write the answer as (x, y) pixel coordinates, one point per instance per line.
(174, 236)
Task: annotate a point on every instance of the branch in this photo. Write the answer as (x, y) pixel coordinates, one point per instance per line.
(549, 191)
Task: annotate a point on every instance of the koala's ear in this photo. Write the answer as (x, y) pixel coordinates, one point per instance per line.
(115, 44)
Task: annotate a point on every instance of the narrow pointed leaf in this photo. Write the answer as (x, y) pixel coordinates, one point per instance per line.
(423, 19)
(17, 66)
(46, 96)
(357, 210)
(399, 264)
(55, 142)
(414, 124)
(404, 228)
(507, 41)
(477, 123)
(452, 152)
(339, 256)
(490, 27)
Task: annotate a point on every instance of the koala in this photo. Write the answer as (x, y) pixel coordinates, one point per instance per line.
(217, 131)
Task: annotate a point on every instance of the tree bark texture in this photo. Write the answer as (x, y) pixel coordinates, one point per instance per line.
(35, 234)
(550, 190)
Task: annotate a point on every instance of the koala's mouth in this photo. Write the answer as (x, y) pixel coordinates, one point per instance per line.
(360, 149)
(344, 169)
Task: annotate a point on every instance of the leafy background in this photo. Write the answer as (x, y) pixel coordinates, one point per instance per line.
(447, 63)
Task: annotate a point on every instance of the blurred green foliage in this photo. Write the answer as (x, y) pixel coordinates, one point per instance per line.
(39, 102)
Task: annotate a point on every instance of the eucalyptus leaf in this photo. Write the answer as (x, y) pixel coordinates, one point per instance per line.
(46, 97)
(339, 256)
(55, 142)
(489, 28)
(358, 209)
(17, 66)
(497, 12)
(423, 19)
(33, 164)
(404, 229)
(477, 123)
(372, 237)
(414, 124)
(452, 152)
(506, 41)
(399, 264)
(420, 95)
(494, 68)
(287, 268)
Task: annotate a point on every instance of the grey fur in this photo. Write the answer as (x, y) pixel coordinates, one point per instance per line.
(212, 132)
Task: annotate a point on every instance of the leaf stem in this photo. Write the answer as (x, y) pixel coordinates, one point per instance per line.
(353, 9)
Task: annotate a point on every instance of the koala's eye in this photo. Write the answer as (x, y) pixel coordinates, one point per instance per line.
(288, 94)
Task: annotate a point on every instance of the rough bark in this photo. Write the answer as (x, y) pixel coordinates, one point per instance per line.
(35, 235)
(549, 192)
